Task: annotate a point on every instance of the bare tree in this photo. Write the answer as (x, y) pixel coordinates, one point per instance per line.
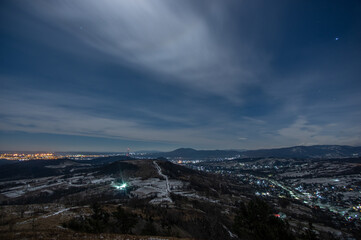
(2, 215)
(21, 210)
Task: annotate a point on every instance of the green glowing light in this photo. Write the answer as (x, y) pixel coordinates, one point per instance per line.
(120, 187)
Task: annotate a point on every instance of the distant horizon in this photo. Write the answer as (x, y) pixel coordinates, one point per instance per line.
(170, 150)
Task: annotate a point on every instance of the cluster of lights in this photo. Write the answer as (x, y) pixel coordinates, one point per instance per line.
(28, 156)
(263, 194)
(351, 218)
(45, 156)
(357, 208)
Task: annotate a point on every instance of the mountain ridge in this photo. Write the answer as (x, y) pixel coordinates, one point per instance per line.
(314, 151)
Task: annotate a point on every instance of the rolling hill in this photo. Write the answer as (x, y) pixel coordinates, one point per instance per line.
(316, 151)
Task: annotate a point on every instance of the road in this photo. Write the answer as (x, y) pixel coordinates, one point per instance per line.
(161, 174)
(305, 197)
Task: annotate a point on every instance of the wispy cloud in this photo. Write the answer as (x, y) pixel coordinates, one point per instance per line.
(171, 39)
(196, 73)
(302, 132)
(37, 112)
(254, 120)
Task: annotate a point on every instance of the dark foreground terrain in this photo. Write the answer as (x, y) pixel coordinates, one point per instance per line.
(114, 198)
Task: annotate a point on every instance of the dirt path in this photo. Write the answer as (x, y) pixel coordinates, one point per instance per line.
(167, 188)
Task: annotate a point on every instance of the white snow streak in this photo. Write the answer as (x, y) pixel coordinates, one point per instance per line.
(166, 180)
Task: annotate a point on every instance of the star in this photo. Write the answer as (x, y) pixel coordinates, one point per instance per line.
(337, 38)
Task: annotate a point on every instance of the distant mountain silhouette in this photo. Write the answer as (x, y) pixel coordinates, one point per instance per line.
(316, 151)
(192, 153)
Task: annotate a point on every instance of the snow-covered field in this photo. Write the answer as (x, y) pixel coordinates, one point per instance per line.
(49, 184)
(160, 189)
(157, 188)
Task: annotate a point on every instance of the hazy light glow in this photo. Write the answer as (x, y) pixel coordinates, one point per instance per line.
(119, 186)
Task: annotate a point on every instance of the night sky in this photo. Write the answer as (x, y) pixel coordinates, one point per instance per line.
(161, 74)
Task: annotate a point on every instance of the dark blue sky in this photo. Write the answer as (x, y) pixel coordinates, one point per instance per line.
(107, 75)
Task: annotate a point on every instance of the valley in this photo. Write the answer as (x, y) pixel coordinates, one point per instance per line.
(175, 198)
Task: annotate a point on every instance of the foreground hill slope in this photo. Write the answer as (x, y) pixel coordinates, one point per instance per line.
(135, 199)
